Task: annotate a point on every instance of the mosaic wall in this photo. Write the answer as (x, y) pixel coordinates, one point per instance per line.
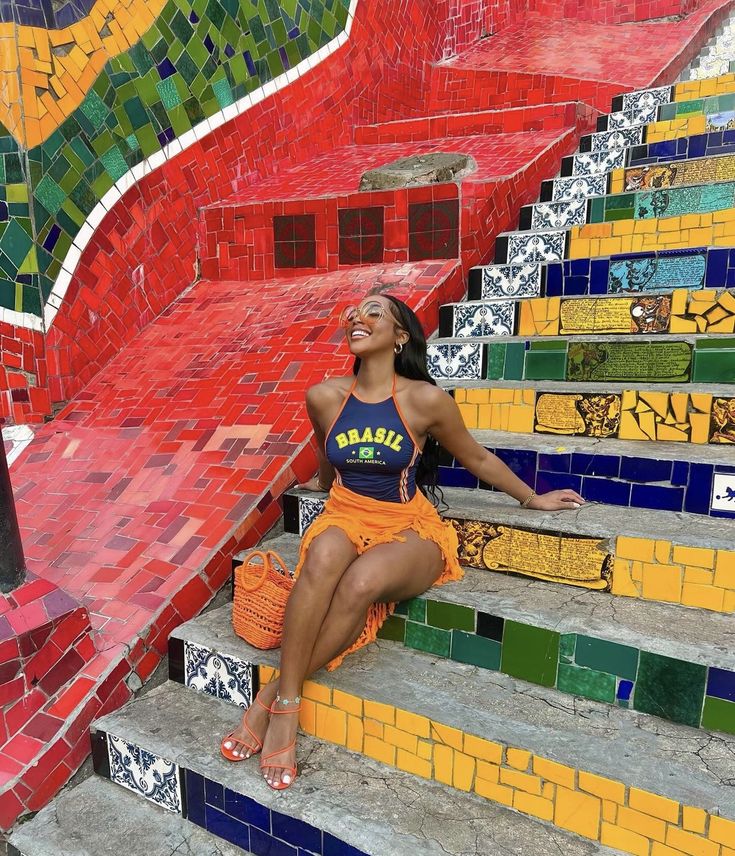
(107, 99)
(664, 202)
(699, 171)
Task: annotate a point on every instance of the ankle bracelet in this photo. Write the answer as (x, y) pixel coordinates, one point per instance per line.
(286, 701)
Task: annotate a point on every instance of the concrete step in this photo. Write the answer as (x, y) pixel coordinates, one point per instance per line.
(594, 769)
(579, 642)
(97, 818)
(342, 804)
(657, 555)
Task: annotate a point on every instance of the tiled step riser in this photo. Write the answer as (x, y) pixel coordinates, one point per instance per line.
(708, 106)
(643, 568)
(572, 663)
(631, 273)
(608, 141)
(670, 362)
(221, 811)
(519, 248)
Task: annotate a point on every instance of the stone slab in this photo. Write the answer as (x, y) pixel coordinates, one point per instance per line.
(97, 818)
(376, 808)
(418, 169)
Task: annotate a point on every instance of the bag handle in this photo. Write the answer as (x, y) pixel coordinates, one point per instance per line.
(268, 559)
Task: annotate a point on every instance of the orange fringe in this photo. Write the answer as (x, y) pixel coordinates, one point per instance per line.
(368, 522)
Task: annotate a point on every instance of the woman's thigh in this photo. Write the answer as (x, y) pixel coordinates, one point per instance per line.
(395, 571)
(328, 556)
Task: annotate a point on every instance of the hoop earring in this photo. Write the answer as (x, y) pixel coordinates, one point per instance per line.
(398, 348)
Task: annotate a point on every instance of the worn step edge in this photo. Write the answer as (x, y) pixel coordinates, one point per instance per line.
(352, 799)
(97, 818)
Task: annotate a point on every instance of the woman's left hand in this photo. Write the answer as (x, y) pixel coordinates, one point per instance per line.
(556, 500)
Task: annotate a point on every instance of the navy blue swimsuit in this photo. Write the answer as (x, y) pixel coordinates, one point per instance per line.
(372, 450)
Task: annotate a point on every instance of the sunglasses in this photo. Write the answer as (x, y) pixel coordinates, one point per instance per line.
(370, 313)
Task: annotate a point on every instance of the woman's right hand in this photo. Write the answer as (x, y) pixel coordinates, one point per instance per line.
(312, 484)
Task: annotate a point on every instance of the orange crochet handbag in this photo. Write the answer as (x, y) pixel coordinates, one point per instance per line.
(259, 603)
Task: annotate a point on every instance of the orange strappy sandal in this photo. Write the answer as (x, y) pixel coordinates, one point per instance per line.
(265, 760)
(253, 748)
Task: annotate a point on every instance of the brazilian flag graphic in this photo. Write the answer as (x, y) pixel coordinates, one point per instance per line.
(366, 453)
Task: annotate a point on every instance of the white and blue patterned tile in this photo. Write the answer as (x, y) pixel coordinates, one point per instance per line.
(579, 187)
(309, 510)
(631, 118)
(559, 215)
(218, 675)
(483, 319)
(646, 98)
(511, 281)
(723, 492)
(618, 138)
(455, 362)
(596, 163)
(526, 248)
(144, 773)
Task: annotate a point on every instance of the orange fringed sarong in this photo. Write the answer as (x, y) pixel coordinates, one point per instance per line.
(368, 522)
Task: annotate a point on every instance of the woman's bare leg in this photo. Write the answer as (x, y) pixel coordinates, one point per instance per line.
(387, 572)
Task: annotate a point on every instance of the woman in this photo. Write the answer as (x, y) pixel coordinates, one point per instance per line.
(379, 540)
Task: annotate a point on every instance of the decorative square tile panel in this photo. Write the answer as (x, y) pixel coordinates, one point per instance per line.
(723, 492)
(433, 230)
(646, 98)
(559, 215)
(309, 510)
(524, 248)
(511, 281)
(455, 362)
(144, 773)
(579, 187)
(218, 675)
(484, 319)
(597, 163)
(631, 118)
(618, 138)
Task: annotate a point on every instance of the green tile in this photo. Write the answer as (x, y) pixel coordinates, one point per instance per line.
(402, 608)
(669, 688)
(450, 616)
(530, 653)
(609, 657)
(587, 683)
(514, 356)
(417, 610)
(546, 365)
(719, 715)
(712, 366)
(394, 629)
(550, 345)
(428, 639)
(715, 342)
(495, 361)
(567, 644)
(468, 648)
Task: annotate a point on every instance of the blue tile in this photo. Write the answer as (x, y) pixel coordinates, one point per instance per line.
(195, 798)
(699, 492)
(247, 810)
(579, 267)
(599, 274)
(716, 270)
(557, 481)
(575, 285)
(729, 515)
(655, 496)
(625, 689)
(560, 463)
(265, 845)
(334, 847)
(595, 465)
(605, 490)
(554, 280)
(698, 145)
(730, 278)
(645, 470)
(296, 831)
(680, 473)
(721, 684)
(214, 794)
(719, 468)
(456, 477)
(521, 461)
(303, 852)
(221, 824)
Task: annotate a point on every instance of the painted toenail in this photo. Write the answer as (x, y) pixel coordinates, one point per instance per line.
(286, 780)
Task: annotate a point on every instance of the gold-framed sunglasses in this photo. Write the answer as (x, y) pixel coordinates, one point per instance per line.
(370, 313)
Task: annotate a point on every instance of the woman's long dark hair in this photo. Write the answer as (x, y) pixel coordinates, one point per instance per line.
(411, 364)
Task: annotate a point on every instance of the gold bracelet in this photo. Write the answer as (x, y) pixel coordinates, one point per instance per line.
(527, 501)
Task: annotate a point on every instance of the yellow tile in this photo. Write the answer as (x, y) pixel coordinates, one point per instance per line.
(722, 831)
(469, 414)
(331, 724)
(317, 692)
(703, 597)
(381, 712)
(460, 395)
(355, 734)
(662, 850)
(463, 771)
(662, 582)
(622, 582)
(698, 575)
(535, 806)
(443, 763)
(522, 781)
(486, 750)
(652, 827)
(425, 749)
(484, 416)
(702, 557)
(729, 602)
(695, 820)
(402, 739)
(654, 805)
(349, 703)
(373, 728)
(477, 396)
(548, 790)
(624, 839)
(608, 789)
(609, 811)
(636, 571)
(488, 772)
(553, 772)
(266, 674)
(411, 764)
(640, 549)
(380, 750)
(700, 423)
(518, 758)
(447, 735)
(496, 793)
(725, 569)
(307, 716)
(688, 842)
(662, 551)
(578, 812)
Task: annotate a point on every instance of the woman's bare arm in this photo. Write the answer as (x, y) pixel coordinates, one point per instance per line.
(322, 403)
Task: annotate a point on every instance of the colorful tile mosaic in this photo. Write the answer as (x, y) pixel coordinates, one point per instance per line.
(682, 148)
(713, 105)
(664, 202)
(674, 174)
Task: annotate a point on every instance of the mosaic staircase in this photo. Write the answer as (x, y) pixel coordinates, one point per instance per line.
(586, 710)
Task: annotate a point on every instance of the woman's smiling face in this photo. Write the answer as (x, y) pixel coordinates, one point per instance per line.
(371, 326)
